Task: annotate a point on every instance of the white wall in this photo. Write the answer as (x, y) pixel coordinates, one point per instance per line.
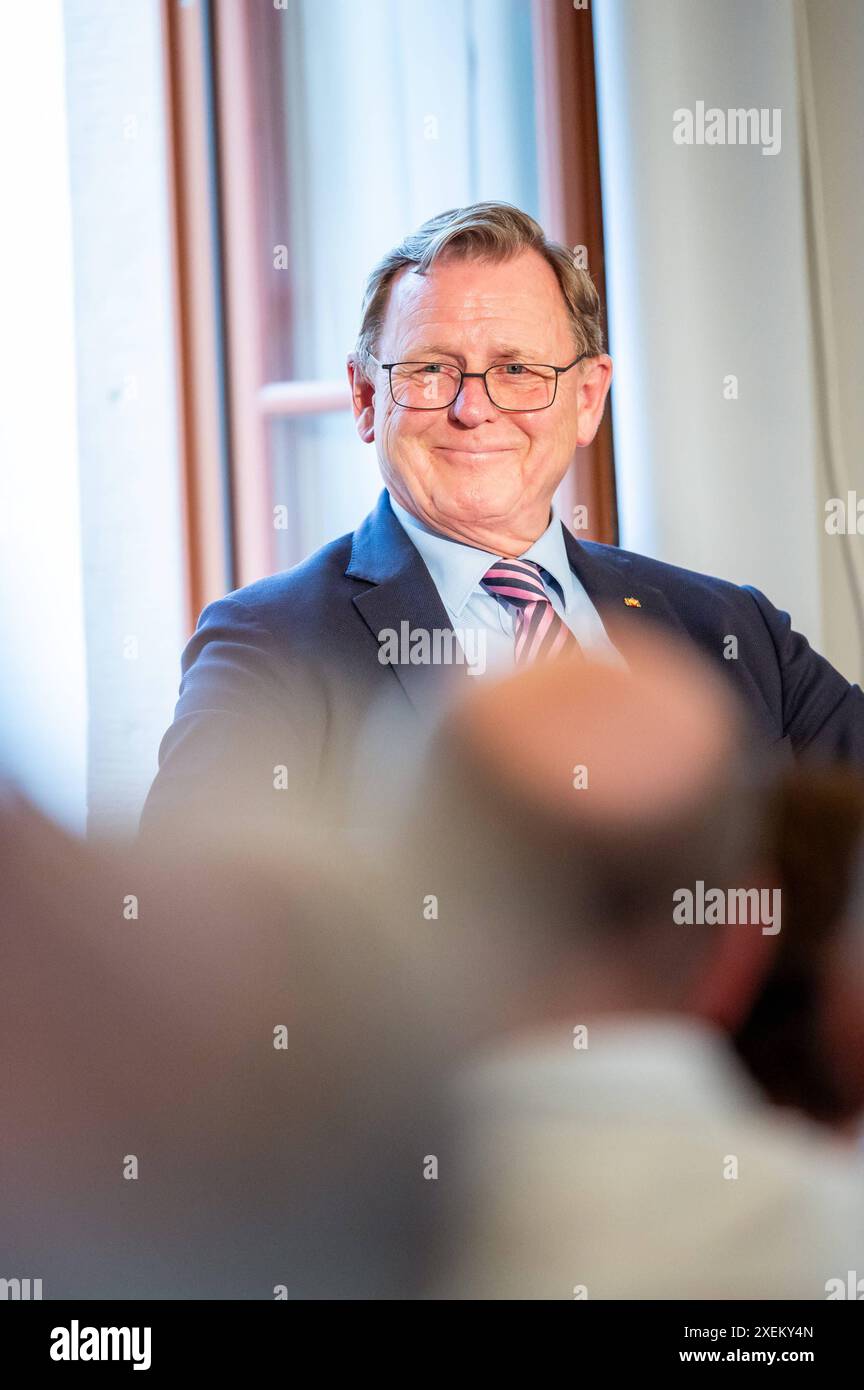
(91, 563)
(707, 271)
(43, 707)
(127, 410)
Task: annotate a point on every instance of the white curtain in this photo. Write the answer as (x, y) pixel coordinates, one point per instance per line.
(709, 265)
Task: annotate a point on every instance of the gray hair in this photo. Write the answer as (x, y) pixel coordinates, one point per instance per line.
(483, 231)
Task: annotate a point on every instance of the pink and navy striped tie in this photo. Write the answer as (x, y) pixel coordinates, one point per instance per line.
(538, 631)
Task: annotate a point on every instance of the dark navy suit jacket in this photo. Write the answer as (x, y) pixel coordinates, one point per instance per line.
(282, 672)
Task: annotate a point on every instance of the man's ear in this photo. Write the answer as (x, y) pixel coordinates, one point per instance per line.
(732, 975)
(362, 399)
(593, 390)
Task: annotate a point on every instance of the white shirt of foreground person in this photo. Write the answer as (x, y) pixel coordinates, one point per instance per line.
(646, 1166)
(457, 569)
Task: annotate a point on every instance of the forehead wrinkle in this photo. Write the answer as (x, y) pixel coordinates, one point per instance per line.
(415, 333)
(484, 304)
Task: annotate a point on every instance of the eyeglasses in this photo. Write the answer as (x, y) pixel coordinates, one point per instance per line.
(512, 386)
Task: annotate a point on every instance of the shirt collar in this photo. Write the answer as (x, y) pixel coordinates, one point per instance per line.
(634, 1063)
(457, 569)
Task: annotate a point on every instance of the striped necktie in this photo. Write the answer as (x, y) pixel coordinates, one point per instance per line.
(538, 631)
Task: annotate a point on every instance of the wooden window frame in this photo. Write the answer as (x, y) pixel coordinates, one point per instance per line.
(571, 211)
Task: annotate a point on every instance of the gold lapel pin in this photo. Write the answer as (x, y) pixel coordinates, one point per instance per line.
(633, 602)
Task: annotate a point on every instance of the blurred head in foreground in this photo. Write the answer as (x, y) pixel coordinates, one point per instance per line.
(614, 1146)
(560, 813)
(216, 1078)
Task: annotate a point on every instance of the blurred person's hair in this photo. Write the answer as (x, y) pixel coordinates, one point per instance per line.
(489, 231)
(815, 835)
(537, 878)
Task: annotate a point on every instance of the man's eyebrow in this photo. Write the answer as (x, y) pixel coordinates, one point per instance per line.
(438, 350)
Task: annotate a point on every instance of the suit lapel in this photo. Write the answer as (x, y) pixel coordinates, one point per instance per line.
(403, 592)
(606, 574)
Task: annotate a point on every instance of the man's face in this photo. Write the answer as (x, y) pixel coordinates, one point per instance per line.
(472, 471)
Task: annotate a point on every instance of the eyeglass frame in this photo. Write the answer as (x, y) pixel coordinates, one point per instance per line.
(508, 409)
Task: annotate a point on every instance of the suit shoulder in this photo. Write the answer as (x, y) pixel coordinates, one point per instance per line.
(268, 600)
(662, 575)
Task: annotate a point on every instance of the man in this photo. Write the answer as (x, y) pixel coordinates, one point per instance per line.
(479, 370)
(613, 1145)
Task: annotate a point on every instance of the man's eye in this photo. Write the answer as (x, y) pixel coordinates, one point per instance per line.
(515, 368)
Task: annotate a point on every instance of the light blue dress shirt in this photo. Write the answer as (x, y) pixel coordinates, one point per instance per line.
(457, 569)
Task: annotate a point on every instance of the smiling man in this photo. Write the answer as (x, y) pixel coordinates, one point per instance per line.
(479, 370)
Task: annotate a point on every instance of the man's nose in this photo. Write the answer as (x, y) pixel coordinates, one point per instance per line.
(472, 406)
